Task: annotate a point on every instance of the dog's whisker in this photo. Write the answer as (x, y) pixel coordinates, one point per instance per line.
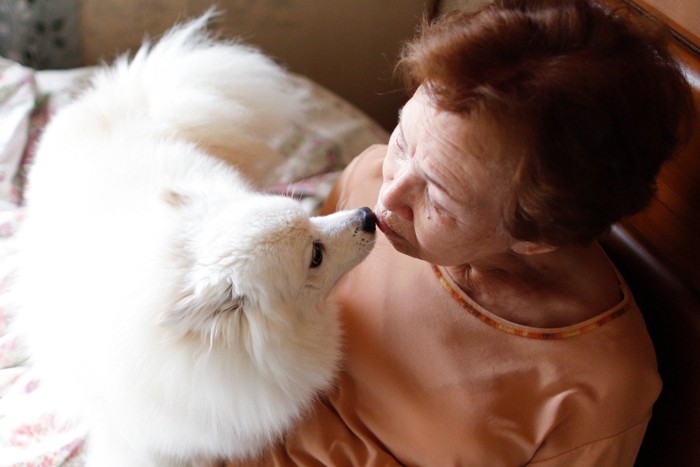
(295, 194)
(291, 189)
(343, 205)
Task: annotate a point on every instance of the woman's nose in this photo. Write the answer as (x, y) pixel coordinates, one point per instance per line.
(397, 193)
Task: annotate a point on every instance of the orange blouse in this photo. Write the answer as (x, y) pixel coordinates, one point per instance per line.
(431, 378)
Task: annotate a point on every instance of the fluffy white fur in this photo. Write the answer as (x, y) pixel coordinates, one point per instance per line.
(167, 301)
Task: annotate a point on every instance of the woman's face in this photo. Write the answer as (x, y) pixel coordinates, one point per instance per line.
(445, 179)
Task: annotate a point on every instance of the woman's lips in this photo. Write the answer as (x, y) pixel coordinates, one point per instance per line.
(383, 226)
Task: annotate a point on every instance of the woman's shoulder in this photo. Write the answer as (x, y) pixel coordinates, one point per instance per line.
(369, 161)
(361, 178)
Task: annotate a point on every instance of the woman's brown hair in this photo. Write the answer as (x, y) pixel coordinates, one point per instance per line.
(601, 100)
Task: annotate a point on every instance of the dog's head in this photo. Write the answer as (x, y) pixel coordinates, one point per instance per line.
(261, 262)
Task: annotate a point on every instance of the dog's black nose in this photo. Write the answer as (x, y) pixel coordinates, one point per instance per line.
(369, 220)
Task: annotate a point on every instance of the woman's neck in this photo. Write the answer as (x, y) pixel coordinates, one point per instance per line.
(555, 289)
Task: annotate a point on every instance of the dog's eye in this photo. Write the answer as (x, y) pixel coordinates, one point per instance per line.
(316, 255)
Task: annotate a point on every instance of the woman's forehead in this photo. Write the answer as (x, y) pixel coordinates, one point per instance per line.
(475, 136)
(469, 156)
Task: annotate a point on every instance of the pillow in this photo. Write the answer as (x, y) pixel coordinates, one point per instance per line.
(18, 98)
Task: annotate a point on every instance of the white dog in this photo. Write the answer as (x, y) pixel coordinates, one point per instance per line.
(180, 311)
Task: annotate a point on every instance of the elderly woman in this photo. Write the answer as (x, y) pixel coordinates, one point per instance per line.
(488, 327)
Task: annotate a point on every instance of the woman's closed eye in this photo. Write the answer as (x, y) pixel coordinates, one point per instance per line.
(433, 204)
(400, 141)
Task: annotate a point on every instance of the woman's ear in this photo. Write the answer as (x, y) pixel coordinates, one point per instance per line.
(529, 248)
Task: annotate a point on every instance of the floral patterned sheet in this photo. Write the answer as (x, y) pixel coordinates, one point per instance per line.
(32, 432)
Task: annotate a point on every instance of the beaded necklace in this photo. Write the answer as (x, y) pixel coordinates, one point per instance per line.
(531, 334)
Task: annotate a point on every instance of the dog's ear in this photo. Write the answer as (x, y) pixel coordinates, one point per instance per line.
(198, 307)
(175, 198)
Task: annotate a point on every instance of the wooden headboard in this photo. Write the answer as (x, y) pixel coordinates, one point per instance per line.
(658, 253)
(671, 224)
